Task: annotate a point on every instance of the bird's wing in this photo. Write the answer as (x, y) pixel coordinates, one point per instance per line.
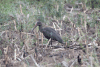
(47, 32)
(51, 33)
(50, 29)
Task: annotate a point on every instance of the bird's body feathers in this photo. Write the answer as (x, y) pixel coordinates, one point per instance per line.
(51, 33)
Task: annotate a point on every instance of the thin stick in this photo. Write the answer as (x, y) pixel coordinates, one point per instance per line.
(91, 60)
(79, 32)
(15, 54)
(96, 30)
(72, 33)
(71, 10)
(6, 35)
(82, 55)
(85, 24)
(57, 7)
(42, 39)
(66, 43)
(21, 9)
(58, 26)
(34, 61)
(73, 63)
(61, 24)
(54, 26)
(61, 28)
(27, 33)
(15, 25)
(73, 53)
(48, 42)
(37, 37)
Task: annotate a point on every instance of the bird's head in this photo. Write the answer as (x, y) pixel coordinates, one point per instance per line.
(37, 24)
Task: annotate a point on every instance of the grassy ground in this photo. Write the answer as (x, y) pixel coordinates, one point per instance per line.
(77, 22)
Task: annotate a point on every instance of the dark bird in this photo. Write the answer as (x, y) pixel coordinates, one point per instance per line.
(79, 59)
(49, 33)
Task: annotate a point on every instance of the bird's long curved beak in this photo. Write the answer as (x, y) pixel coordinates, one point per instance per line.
(34, 27)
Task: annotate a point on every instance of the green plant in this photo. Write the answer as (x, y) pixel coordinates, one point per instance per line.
(58, 65)
(0, 52)
(21, 44)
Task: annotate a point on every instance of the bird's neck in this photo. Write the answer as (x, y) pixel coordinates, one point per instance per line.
(40, 28)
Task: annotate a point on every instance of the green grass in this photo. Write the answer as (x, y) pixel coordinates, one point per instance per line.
(58, 65)
(0, 52)
(42, 10)
(21, 44)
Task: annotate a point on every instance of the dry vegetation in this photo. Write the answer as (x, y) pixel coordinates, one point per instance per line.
(78, 23)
